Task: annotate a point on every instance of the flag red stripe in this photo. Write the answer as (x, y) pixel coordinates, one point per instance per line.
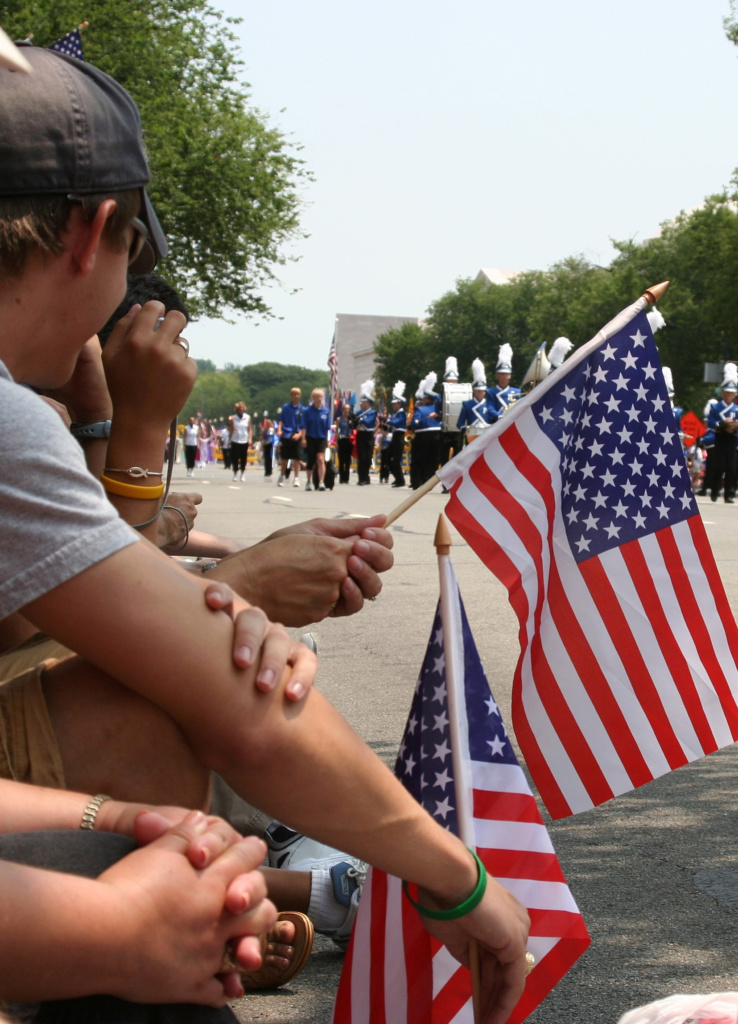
(677, 663)
(501, 565)
(521, 864)
(418, 965)
(594, 681)
(454, 994)
(697, 624)
(563, 717)
(376, 969)
(545, 976)
(505, 806)
(629, 651)
(556, 922)
(707, 561)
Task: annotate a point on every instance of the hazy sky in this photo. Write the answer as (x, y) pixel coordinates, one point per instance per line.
(448, 136)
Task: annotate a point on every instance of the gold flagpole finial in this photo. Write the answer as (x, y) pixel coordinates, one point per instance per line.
(654, 293)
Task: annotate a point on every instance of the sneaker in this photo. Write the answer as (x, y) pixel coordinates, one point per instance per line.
(242, 478)
(297, 482)
(235, 477)
(308, 486)
(292, 851)
(280, 482)
(321, 487)
(347, 879)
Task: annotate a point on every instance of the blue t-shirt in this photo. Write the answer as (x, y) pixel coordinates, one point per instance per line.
(291, 419)
(315, 421)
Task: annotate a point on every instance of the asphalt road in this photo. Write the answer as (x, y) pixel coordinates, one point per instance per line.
(655, 873)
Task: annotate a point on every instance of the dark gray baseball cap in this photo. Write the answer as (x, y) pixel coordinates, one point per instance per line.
(70, 129)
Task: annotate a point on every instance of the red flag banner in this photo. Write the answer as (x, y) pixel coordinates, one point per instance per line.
(394, 972)
(579, 500)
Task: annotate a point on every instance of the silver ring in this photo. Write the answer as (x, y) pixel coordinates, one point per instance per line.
(184, 343)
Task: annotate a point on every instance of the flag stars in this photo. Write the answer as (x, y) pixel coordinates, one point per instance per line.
(546, 415)
(608, 352)
(645, 500)
(612, 531)
(629, 488)
(650, 425)
(660, 457)
(653, 478)
(590, 522)
(640, 520)
(583, 544)
(604, 426)
(638, 339)
(440, 721)
(649, 371)
(620, 509)
(580, 494)
(443, 779)
(629, 361)
(439, 692)
(600, 501)
(617, 457)
(569, 393)
(409, 765)
(443, 808)
(497, 746)
(636, 467)
(662, 510)
(632, 414)
(441, 751)
(439, 664)
(613, 404)
(587, 471)
(620, 382)
(600, 376)
(608, 478)
(641, 393)
(492, 708)
(592, 397)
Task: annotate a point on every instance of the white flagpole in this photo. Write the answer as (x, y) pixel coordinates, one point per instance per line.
(453, 654)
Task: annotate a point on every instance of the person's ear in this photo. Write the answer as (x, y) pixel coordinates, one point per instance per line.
(87, 235)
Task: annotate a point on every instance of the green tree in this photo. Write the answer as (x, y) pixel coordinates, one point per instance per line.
(267, 385)
(404, 353)
(225, 183)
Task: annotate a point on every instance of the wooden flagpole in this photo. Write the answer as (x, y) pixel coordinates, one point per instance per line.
(442, 542)
(651, 295)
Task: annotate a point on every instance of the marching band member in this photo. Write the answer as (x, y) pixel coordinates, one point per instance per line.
(398, 425)
(478, 412)
(452, 439)
(426, 423)
(723, 419)
(503, 395)
(366, 423)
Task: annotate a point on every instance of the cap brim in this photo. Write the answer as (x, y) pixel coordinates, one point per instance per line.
(155, 248)
(10, 55)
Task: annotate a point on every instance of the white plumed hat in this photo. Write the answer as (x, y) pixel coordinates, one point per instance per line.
(504, 359)
(452, 369)
(427, 384)
(367, 391)
(730, 377)
(559, 351)
(479, 377)
(655, 320)
(668, 380)
(398, 391)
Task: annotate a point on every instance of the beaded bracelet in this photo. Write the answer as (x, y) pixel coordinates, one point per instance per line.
(89, 815)
(131, 490)
(463, 908)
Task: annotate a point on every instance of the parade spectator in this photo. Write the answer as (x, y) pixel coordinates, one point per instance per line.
(316, 421)
(366, 422)
(242, 437)
(86, 580)
(290, 431)
(344, 437)
(191, 441)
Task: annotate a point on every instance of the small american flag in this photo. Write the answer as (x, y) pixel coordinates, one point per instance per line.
(333, 367)
(579, 500)
(394, 972)
(70, 44)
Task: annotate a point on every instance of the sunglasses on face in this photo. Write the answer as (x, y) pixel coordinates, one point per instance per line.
(140, 233)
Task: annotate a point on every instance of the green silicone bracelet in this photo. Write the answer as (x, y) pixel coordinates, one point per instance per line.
(463, 908)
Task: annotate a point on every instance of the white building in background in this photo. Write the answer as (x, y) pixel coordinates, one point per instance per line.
(354, 336)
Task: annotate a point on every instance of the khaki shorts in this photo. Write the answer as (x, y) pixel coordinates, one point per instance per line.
(28, 747)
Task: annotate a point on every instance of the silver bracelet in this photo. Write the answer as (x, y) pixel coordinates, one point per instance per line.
(136, 471)
(207, 566)
(89, 815)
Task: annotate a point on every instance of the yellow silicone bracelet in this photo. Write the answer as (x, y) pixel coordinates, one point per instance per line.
(131, 490)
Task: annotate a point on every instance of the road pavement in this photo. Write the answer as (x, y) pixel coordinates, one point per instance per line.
(655, 873)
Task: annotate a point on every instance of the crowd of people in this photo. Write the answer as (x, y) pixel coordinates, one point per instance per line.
(140, 697)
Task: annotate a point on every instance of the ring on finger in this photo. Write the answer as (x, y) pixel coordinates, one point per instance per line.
(184, 343)
(530, 962)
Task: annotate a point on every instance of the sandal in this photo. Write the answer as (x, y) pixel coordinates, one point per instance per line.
(269, 976)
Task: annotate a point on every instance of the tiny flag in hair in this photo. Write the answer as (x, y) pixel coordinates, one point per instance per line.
(70, 44)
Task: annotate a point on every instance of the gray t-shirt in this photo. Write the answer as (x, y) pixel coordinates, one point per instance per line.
(55, 520)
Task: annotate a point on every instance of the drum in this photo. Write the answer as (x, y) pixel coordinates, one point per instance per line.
(476, 430)
(453, 396)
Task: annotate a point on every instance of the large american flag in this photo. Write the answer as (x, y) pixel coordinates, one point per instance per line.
(333, 367)
(394, 972)
(579, 500)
